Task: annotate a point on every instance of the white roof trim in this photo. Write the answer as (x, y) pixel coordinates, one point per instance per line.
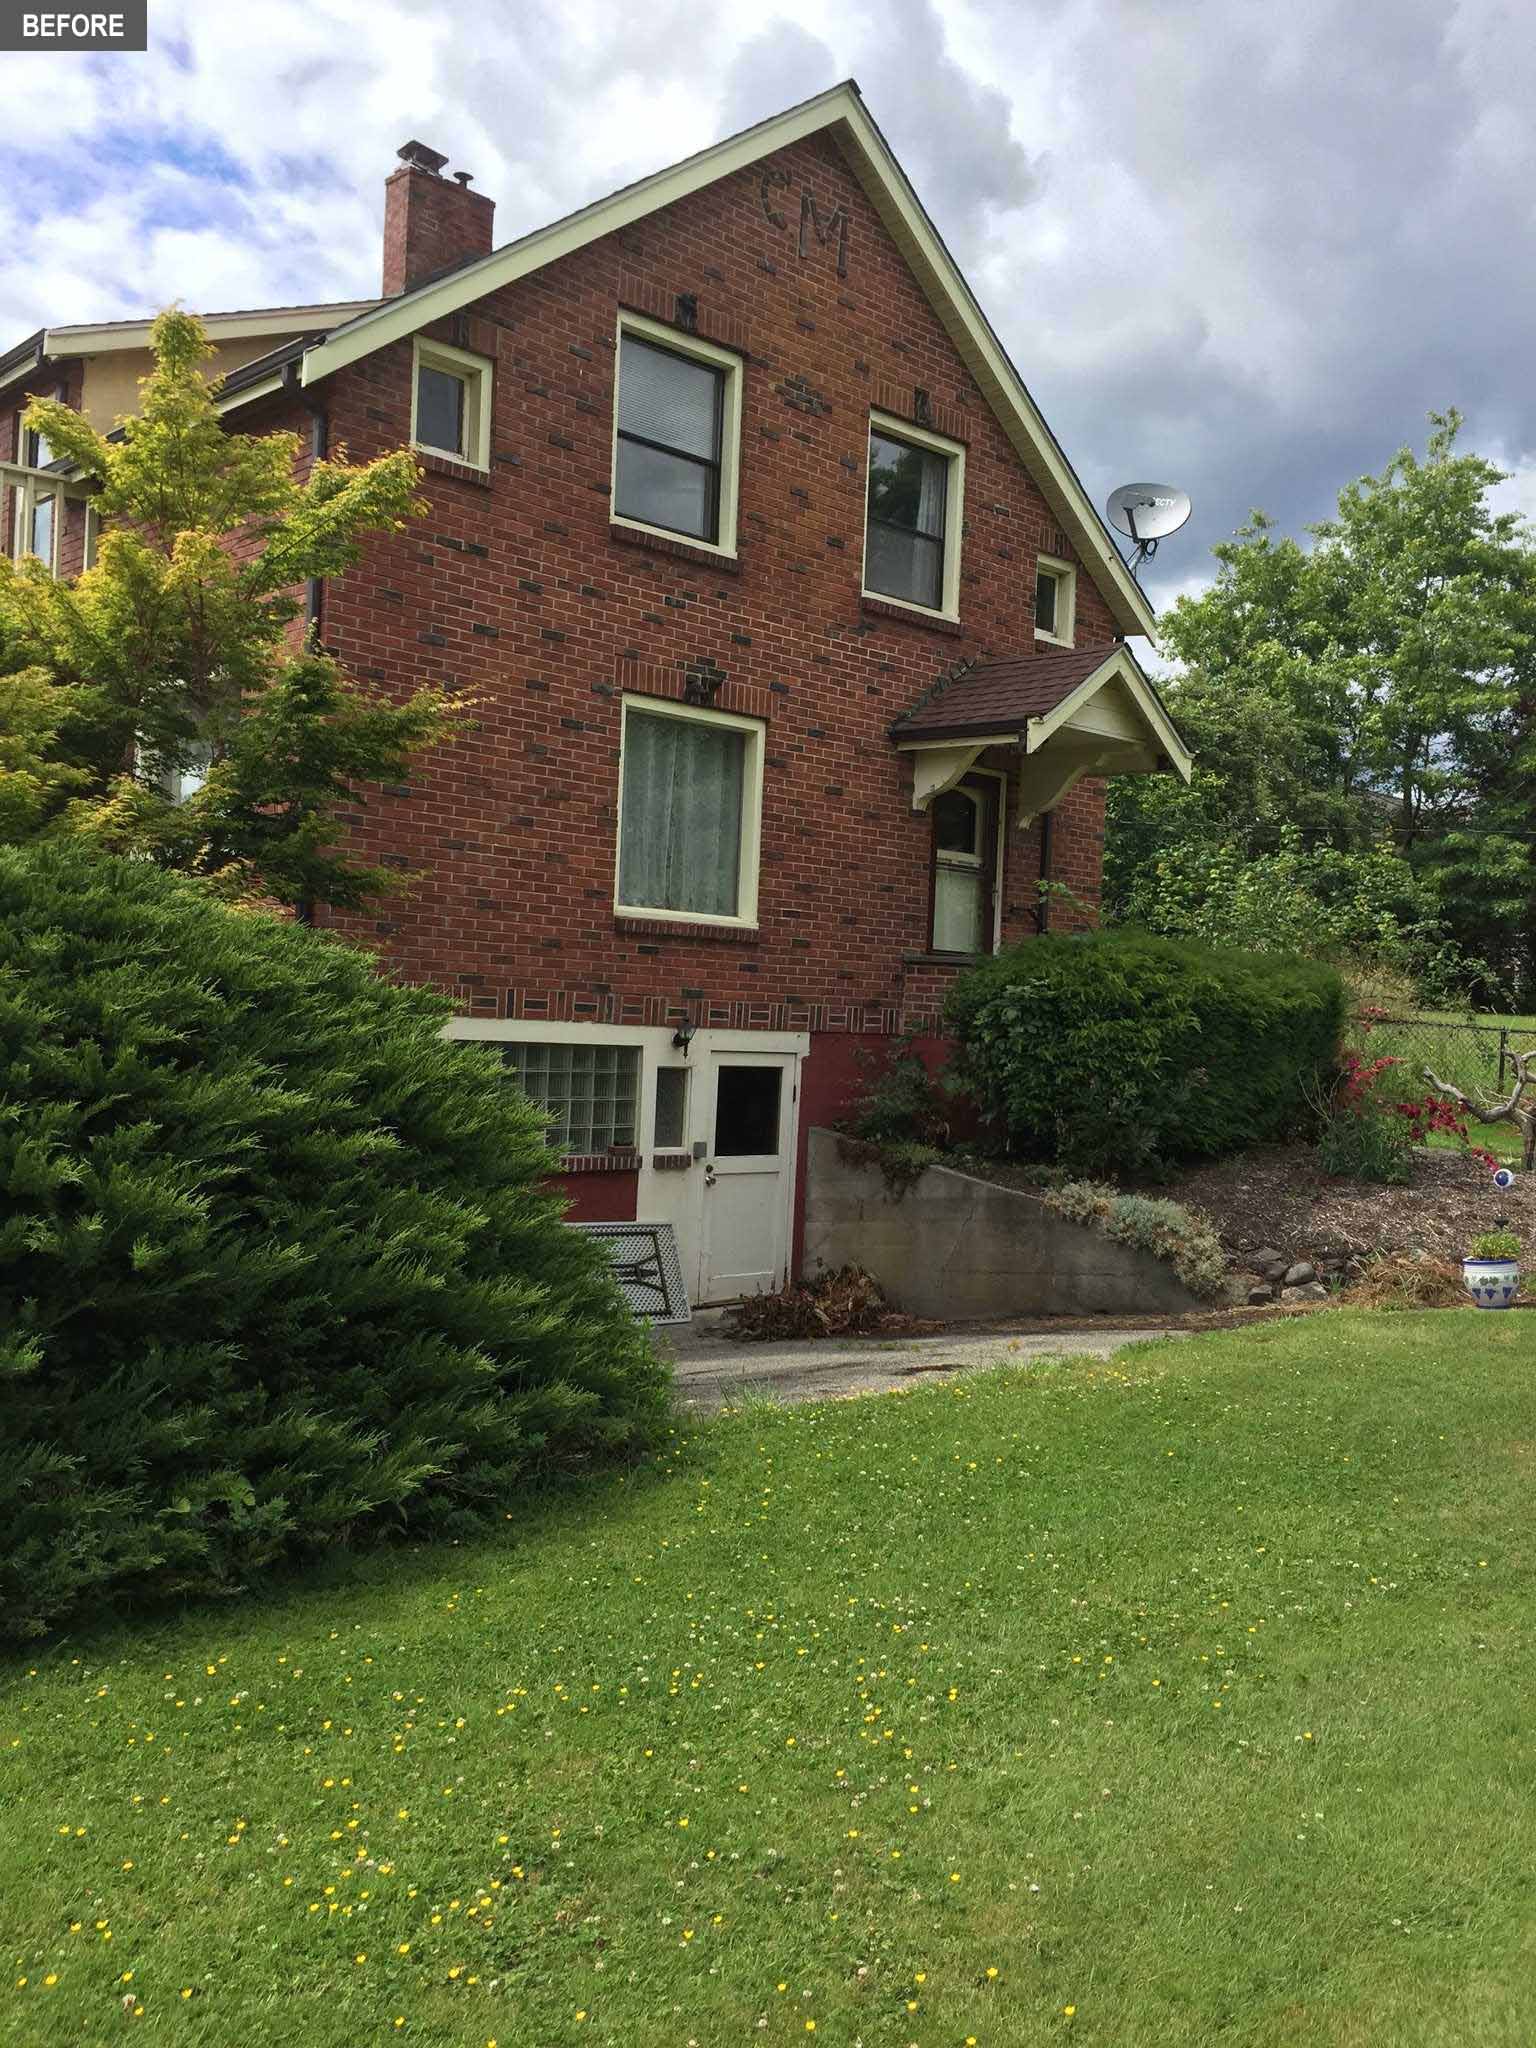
(842, 111)
(1119, 666)
(113, 335)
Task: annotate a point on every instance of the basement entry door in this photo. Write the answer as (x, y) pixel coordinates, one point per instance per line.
(744, 1243)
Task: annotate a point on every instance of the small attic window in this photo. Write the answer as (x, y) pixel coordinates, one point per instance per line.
(451, 403)
(1055, 601)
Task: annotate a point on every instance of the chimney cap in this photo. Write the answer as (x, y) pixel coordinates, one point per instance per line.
(420, 157)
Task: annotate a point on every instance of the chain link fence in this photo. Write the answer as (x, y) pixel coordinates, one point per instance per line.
(1472, 1055)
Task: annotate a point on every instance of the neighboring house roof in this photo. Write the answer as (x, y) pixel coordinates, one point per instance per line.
(1098, 700)
(840, 113)
(107, 337)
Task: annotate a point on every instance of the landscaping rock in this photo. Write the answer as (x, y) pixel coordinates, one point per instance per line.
(1307, 1290)
(1259, 1296)
(1301, 1274)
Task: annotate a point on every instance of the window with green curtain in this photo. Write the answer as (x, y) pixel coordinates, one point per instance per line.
(684, 785)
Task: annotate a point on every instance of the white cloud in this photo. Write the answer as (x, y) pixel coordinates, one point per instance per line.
(1242, 249)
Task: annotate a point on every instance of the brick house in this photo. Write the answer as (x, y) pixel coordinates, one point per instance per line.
(798, 651)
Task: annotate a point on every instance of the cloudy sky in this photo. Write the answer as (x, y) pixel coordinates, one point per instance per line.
(1233, 246)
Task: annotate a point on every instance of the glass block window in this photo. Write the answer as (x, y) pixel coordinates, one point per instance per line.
(590, 1092)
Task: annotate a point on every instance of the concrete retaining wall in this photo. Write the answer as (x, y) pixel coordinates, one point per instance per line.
(953, 1247)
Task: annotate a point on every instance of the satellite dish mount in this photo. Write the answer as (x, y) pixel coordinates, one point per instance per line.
(1147, 513)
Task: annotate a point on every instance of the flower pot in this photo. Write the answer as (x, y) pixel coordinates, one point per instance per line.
(1492, 1283)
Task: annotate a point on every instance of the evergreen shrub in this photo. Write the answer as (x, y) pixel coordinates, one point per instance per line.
(277, 1266)
(1114, 1051)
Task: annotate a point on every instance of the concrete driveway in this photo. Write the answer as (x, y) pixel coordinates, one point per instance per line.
(712, 1371)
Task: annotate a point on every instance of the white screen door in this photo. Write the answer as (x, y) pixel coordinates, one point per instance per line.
(747, 1177)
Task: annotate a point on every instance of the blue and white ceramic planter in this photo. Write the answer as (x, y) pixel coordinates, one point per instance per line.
(1492, 1283)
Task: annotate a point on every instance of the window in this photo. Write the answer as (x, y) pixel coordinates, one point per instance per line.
(676, 428)
(451, 403)
(913, 513)
(965, 865)
(671, 1107)
(690, 794)
(1055, 599)
(590, 1092)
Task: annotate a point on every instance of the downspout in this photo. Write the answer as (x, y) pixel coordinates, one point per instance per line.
(1043, 913)
(314, 596)
(319, 448)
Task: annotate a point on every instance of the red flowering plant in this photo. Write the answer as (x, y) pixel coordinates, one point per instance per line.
(1358, 1094)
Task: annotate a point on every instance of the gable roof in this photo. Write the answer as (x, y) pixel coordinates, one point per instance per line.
(841, 114)
(1026, 698)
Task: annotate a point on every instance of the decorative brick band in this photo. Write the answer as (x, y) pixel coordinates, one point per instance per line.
(650, 679)
(661, 544)
(582, 1006)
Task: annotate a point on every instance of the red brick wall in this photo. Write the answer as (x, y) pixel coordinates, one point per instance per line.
(515, 589)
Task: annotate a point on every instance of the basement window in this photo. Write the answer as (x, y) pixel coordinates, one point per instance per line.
(916, 488)
(590, 1092)
(451, 403)
(676, 427)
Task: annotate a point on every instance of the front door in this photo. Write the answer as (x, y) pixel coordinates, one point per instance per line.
(747, 1175)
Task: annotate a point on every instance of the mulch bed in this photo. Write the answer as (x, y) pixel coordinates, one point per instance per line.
(1276, 1197)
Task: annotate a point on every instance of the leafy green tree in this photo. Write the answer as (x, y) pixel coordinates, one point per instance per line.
(1373, 691)
(179, 654)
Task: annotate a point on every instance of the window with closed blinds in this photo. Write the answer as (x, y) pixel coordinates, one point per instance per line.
(684, 791)
(590, 1092)
(671, 409)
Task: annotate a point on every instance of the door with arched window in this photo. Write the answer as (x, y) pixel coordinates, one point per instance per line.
(965, 866)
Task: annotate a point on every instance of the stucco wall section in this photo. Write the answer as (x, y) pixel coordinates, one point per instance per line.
(954, 1247)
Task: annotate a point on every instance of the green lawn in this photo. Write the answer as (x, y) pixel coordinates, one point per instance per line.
(1182, 1701)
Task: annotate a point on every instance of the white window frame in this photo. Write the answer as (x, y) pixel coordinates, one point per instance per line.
(476, 373)
(1066, 599)
(893, 429)
(659, 335)
(999, 856)
(751, 815)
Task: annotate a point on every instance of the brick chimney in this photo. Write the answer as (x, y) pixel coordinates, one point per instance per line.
(431, 223)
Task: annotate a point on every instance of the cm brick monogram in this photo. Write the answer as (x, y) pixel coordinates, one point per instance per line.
(834, 225)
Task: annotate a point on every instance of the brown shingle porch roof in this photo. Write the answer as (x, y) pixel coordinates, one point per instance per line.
(1002, 696)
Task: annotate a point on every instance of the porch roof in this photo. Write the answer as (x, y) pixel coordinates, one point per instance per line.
(1080, 711)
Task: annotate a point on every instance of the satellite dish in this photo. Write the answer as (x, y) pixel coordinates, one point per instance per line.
(1147, 512)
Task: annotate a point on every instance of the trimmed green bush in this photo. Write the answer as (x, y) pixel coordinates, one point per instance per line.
(276, 1270)
(1117, 1052)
